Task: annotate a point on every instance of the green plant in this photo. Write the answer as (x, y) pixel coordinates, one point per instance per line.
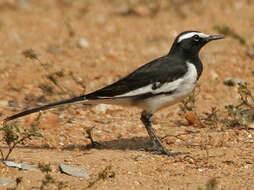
(104, 174)
(61, 185)
(212, 184)
(29, 53)
(234, 115)
(189, 103)
(14, 135)
(46, 181)
(212, 118)
(48, 178)
(246, 97)
(44, 167)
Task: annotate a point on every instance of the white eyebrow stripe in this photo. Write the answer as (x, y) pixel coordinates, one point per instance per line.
(191, 34)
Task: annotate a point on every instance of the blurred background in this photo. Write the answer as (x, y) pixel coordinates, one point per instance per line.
(56, 49)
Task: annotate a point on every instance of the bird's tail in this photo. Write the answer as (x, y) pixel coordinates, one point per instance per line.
(45, 107)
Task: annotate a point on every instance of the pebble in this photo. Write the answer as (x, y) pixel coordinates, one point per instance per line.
(214, 75)
(20, 166)
(100, 108)
(193, 131)
(82, 43)
(12, 103)
(170, 140)
(4, 103)
(76, 172)
(123, 10)
(250, 51)
(230, 81)
(23, 4)
(142, 10)
(54, 49)
(4, 181)
(100, 19)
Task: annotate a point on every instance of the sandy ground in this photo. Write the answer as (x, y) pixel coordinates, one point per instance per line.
(88, 44)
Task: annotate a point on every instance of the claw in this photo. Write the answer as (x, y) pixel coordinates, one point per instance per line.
(157, 144)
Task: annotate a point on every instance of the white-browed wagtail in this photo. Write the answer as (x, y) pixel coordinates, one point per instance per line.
(157, 84)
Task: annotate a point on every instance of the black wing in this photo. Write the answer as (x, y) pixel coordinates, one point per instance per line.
(161, 70)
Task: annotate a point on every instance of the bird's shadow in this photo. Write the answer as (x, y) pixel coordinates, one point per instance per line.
(133, 143)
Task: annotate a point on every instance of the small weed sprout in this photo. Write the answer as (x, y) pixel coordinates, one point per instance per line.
(45, 167)
(47, 180)
(247, 98)
(212, 118)
(234, 115)
(189, 103)
(210, 185)
(104, 174)
(13, 135)
(237, 115)
(29, 53)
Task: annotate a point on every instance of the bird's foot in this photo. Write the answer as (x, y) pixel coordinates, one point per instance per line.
(157, 144)
(96, 144)
(157, 149)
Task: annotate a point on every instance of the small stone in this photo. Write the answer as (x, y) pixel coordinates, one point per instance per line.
(142, 10)
(250, 51)
(170, 140)
(20, 166)
(193, 131)
(23, 4)
(4, 103)
(230, 81)
(4, 181)
(123, 10)
(100, 108)
(82, 43)
(12, 103)
(100, 19)
(76, 172)
(54, 49)
(214, 75)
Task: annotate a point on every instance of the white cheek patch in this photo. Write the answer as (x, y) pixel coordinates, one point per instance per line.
(190, 35)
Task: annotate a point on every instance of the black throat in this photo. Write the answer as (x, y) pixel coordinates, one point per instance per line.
(186, 56)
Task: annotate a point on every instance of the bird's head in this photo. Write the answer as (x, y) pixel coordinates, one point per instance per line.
(190, 42)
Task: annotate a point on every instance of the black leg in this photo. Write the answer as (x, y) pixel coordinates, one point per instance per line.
(146, 119)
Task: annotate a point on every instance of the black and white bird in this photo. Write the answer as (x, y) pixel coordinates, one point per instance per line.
(157, 84)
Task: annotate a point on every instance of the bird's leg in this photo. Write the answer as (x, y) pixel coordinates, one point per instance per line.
(146, 119)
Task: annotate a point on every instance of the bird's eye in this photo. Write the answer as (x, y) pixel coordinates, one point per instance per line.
(196, 38)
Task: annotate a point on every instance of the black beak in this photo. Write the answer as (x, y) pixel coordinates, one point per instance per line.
(215, 37)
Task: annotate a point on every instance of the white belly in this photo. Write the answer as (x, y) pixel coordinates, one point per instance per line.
(186, 85)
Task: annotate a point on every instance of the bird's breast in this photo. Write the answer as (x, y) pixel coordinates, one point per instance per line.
(183, 87)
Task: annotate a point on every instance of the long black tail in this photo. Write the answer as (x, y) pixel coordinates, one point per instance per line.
(45, 107)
